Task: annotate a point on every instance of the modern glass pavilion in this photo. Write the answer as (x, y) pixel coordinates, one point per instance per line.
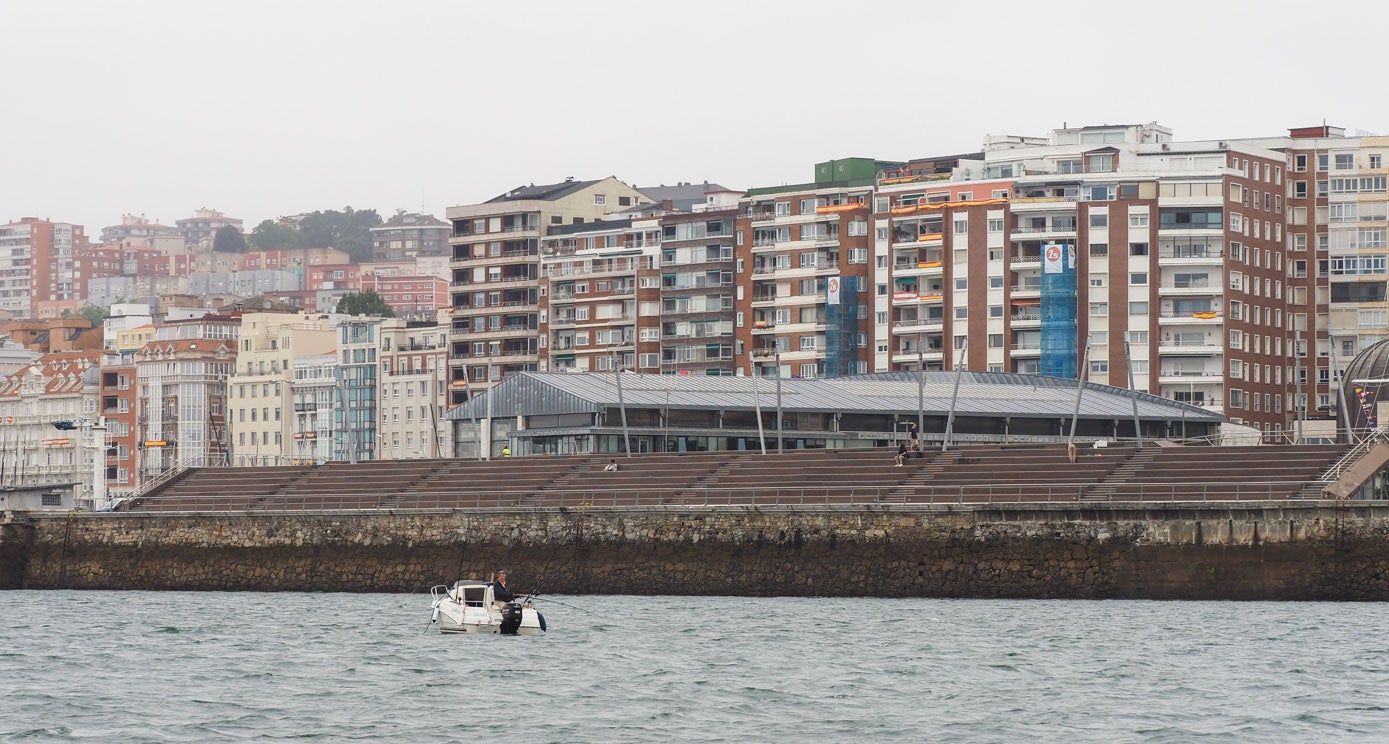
(535, 413)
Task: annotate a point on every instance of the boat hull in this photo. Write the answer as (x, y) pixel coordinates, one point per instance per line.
(452, 618)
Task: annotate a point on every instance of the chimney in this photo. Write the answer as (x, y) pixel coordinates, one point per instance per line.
(667, 204)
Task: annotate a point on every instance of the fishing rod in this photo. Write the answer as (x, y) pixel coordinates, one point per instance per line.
(556, 601)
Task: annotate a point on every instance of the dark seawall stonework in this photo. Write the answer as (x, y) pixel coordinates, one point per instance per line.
(1300, 551)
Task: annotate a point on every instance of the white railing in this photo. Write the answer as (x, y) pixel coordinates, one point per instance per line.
(1332, 474)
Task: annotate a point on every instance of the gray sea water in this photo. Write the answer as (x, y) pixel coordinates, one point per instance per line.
(205, 667)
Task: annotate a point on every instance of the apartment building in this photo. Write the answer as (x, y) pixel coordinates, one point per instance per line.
(698, 290)
(359, 388)
(495, 250)
(806, 249)
(407, 235)
(136, 229)
(38, 263)
(202, 227)
(119, 405)
(414, 389)
(183, 402)
(314, 391)
(1051, 253)
(1337, 220)
(415, 297)
(260, 391)
(600, 296)
(57, 387)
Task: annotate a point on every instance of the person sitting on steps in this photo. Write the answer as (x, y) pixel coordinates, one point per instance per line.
(611, 467)
(901, 453)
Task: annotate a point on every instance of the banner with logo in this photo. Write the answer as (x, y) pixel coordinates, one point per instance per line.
(832, 289)
(1051, 258)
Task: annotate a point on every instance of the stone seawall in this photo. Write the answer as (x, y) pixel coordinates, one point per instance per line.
(1194, 551)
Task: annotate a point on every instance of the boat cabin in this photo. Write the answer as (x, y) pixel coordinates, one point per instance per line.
(472, 593)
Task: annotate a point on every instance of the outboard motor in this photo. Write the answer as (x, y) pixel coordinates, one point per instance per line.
(511, 618)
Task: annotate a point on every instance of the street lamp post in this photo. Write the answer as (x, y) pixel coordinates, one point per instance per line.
(757, 403)
(776, 355)
(621, 404)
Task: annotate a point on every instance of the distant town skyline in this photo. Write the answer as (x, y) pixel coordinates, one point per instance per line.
(260, 109)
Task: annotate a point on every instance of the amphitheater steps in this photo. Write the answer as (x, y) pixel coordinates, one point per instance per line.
(711, 480)
(1135, 464)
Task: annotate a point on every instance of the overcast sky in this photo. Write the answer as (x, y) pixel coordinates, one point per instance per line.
(267, 108)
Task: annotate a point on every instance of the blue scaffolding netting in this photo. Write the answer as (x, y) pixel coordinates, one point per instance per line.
(841, 327)
(1058, 311)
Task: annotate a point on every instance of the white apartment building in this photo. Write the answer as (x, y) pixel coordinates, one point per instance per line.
(414, 388)
(314, 387)
(261, 391)
(58, 387)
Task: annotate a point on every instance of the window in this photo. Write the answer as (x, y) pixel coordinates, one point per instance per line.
(995, 282)
(1376, 162)
(1138, 279)
(858, 255)
(1345, 161)
(1138, 219)
(1099, 249)
(1099, 308)
(1138, 308)
(1098, 220)
(1101, 163)
(995, 341)
(1138, 249)
(995, 225)
(995, 311)
(1100, 367)
(1299, 163)
(808, 343)
(600, 199)
(961, 226)
(858, 227)
(961, 282)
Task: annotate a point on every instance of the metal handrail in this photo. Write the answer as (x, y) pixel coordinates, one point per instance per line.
(1334, 472)
(958, 494)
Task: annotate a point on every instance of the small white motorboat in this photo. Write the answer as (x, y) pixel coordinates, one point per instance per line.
(468, 607)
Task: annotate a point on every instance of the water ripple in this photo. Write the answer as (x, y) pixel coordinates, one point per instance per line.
(194, 667)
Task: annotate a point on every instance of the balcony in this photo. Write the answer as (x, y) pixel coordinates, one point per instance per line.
(1020, 204)
(1025, 320)
(911, 357)
(1023, 291)
(1188, 289)
(911, 326)
(1026, 261)
(1191, 258)
(1190, 377)
(919, 268)
(1209, 318)
(1190, 347)
(1026, 349)
(763, 299)
(1052, 230)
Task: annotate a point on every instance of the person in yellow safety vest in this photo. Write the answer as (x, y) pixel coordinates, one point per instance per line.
(506, 452)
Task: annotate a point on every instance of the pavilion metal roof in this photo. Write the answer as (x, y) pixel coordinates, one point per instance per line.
(981, 394)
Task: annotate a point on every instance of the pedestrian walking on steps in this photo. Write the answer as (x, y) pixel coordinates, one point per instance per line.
(1071, 452)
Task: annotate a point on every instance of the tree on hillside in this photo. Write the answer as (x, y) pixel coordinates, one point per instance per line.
(270, 235)
(94, 313)
(365, 303)
(229, 240)
(348, 231)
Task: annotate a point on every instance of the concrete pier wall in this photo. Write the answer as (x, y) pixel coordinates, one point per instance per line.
(1243, 550)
